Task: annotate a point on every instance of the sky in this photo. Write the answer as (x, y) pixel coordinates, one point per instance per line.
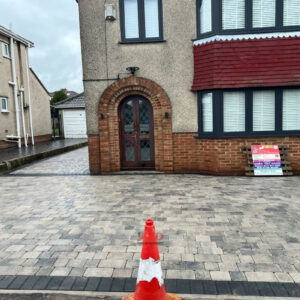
(53, 26)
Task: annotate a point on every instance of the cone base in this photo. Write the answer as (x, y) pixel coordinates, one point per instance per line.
(170, 297)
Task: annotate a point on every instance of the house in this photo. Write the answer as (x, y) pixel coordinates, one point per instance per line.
(205, 78)
(25, 107)
(72, 117)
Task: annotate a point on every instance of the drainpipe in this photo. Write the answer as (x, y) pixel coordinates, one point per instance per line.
(29, 95)
(23, 117)
(14, 84)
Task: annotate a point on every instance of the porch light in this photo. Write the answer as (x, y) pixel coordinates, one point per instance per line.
(132, 70)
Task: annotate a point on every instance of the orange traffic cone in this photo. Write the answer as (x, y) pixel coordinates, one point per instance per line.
(150, 283)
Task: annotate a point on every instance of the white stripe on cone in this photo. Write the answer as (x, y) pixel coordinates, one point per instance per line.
(149, 269)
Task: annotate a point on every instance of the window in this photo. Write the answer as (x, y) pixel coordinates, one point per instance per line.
(5, 50)
(4, 105)
(264, 12)
(205, 16)
(263, 111)
(207, 112)
(234, 111)
(141, 20)
(291, 110)
(215, 17)
(233, 14)
(291, 12)
(249, 112)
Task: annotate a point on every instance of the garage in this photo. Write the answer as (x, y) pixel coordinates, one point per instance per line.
(72, 117)
(74, 124)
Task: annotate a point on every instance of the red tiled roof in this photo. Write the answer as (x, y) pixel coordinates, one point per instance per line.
(247, 63)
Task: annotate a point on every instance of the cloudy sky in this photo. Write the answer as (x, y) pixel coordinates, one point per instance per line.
(53, 26)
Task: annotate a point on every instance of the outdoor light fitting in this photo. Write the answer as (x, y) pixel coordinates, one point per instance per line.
(132, 70)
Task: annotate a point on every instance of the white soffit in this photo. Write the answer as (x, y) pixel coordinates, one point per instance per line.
(246, 37)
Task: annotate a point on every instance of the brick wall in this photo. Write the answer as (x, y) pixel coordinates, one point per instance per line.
(208, 156)
(224, 156)
(94, 154)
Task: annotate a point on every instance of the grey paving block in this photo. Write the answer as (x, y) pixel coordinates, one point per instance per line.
(92, 284)
(130, 285)
(41, 283)
(55, 282)
(105, 285)
(18, 282)
(80, 284)
(223, 288)
(183, 286)
(31, 281)
(67, 283)
(118, 285)
(197, 287)
(209, 287)
(6, 281)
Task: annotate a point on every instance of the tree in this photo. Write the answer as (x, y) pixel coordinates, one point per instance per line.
(57, 97)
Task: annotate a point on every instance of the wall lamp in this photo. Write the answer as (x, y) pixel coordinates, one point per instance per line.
(101, 117)
(132, 70)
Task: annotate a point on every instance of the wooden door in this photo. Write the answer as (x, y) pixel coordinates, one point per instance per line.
(136, 134)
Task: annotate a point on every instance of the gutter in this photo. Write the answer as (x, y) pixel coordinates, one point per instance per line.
(14, 84)
(29, 94)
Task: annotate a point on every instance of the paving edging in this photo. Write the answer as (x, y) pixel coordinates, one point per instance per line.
(59, 295)
(12, 164)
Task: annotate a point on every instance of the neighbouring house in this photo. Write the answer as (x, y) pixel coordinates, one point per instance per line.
(205, 78)
(72, 117)
(25, 107)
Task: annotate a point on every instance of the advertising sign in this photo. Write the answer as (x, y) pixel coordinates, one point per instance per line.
(266, 160)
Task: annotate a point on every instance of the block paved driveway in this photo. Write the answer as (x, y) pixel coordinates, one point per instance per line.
(57, 220)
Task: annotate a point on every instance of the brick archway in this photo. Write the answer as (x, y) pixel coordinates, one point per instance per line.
(109, 147)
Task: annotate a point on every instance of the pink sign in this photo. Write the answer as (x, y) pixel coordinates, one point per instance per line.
(266, 160)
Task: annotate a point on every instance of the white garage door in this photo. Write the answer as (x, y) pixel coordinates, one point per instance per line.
(74, 123)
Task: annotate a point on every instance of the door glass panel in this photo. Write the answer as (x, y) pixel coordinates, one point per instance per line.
(145, 150)
(129, 151)
(128, 118)
(144, 117)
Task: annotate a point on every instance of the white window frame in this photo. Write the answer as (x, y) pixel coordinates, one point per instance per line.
(6, 101)
(5, 50)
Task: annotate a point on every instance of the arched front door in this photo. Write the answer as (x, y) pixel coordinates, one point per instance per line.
(136, 134)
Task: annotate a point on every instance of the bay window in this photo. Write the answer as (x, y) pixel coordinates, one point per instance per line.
(249, 112)
(246, 16)
(141, 20)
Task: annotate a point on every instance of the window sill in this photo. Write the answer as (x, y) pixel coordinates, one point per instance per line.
(6, 57)
(143, 42)
(5, 111)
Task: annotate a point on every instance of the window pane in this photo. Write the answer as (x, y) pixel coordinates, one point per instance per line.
(291, 12)
(234, 112)
(3, 104)
(233, 14)
(205, 16)
(5, 51)
(264, 13)
(264, 111)
(151, 18)
(291, 110)
(207, 112)
(131, 19)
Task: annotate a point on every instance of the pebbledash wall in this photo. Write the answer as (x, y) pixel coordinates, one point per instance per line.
(167, 80)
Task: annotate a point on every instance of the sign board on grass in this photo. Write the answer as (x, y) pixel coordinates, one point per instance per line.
(266, 160)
